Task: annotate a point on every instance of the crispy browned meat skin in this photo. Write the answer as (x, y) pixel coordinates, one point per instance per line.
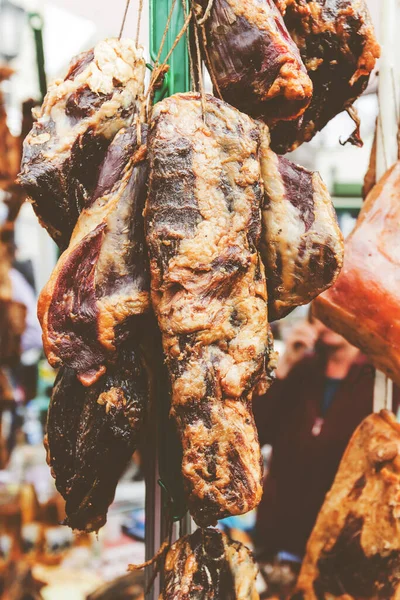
(207, 565)
(363, 305)
(354, 550)
(255, 62)
(301, 243)
(101, 282)
(79, 117)
(209, 293)
(339, 49)
(92, 434)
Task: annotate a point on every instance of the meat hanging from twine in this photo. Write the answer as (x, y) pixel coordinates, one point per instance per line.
(159, 70)
(206, 14)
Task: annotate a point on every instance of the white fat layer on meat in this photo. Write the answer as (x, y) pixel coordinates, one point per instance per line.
(114, 61)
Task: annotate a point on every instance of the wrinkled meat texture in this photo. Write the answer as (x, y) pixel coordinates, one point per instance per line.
(101, 282)
(338, 46)
(79, 117)
(354, 550)
(255, 62)
(364, 303)
(301, 243)
(92, 434)
(209, 293)
(207, 565)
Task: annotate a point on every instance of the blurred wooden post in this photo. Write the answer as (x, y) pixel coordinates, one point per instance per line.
(387, 138)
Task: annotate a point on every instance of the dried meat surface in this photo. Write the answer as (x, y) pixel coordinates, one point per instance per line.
(207, 565)
(256, 64)
(100, 286)
(354, 550)
(209, 293)
(80, 116)
(301, 243)
(337, 43)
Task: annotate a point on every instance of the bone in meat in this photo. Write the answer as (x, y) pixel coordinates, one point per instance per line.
(301, 243)
(207, 565)
(79, 117)
(92, 434)
(255, 62)
(364, 303)
(100, 284)
(354, 550)
(338, 46)
(209, 293)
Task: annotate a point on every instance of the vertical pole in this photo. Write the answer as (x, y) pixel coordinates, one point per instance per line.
(387, 139)
(163, 457)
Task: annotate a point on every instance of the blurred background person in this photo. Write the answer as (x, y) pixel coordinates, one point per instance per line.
(324, 389)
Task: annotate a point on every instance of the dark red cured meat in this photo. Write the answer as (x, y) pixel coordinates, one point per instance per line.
(100, 286)
(77, 121)
(255, 62)
(338, 46)
(92, 434)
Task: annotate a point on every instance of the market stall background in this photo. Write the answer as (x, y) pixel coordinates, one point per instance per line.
(70, 27)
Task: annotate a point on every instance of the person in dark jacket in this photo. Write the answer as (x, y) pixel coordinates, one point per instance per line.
(324, 389)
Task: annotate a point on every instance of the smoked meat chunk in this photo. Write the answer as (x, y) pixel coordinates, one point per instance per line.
(207, 565)
(256, 64)
(364, 303)
(337, 43)
(101, 284)
(92, 434)
(79, 117)
(209, 293)
(354, 550)
(301, 243)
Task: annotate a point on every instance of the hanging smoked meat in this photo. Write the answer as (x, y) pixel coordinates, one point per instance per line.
(79, 117)
(92, 434)
(207, 565)
(209, 293)
(301, 243)
(255, 63)
(363, 305)
(354, 550)
(100, 285)
(338, 46)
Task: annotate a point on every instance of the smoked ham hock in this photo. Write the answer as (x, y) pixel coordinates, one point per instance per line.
(209, 293)
(338, 47)
(364, 303)
(255, 63)
(207, 565)
(354, 550)
(79, 117)
(301, 243)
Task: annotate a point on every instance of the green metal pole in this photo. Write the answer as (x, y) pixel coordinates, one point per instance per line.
(165, 497)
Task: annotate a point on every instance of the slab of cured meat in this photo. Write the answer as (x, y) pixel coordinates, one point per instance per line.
(92, 434)
(364, 303)
(301, 243)
(207, 565)
(100, 284)
(256, 64)
(338, 46)
(209, 293)
(79, 117)
(354, 550)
